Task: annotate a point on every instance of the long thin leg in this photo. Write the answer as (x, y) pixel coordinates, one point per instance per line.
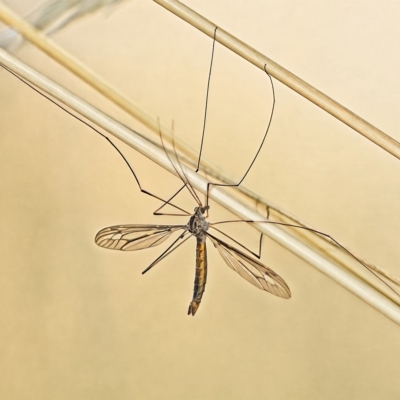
(168, 251)
(258, 255)
(204, 120)
(206, 106)
(258, 151)
(186, 182)
(168, 202)
(314, 231)
(106, 138)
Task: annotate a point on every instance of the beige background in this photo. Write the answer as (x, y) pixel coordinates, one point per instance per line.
(80, 322)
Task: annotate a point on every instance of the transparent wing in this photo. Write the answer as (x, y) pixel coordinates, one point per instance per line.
(134, 237)
(251, 269)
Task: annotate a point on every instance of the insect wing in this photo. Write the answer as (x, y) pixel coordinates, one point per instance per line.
(251, 269)
(134, 237)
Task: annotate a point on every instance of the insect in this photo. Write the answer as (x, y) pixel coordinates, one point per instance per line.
(137, 237)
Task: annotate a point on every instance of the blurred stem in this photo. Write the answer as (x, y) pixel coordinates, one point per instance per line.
(75, 66)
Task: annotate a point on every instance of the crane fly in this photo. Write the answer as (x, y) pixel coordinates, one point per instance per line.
(141, 236)
(137, 237)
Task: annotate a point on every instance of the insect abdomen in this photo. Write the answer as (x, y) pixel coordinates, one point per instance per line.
(201, 274)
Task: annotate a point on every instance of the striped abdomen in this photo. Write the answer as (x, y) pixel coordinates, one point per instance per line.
(201, 274)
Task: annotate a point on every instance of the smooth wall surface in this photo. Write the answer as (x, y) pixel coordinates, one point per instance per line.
(81, 322)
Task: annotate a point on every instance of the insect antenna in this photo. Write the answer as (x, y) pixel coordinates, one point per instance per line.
(180, 165)
(102, 135)
(318, 233)
(186, 180)
(182, 177)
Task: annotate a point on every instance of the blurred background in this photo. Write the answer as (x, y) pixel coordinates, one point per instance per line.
(82, 322)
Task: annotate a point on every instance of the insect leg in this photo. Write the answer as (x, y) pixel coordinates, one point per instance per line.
(206, 106)
(204, 124)
(209, 184)
(334, 241)
(168, 251)
(104, 136)
(258, 151)
(258, 255)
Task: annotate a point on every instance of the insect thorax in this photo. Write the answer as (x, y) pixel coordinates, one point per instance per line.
(197, 224)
